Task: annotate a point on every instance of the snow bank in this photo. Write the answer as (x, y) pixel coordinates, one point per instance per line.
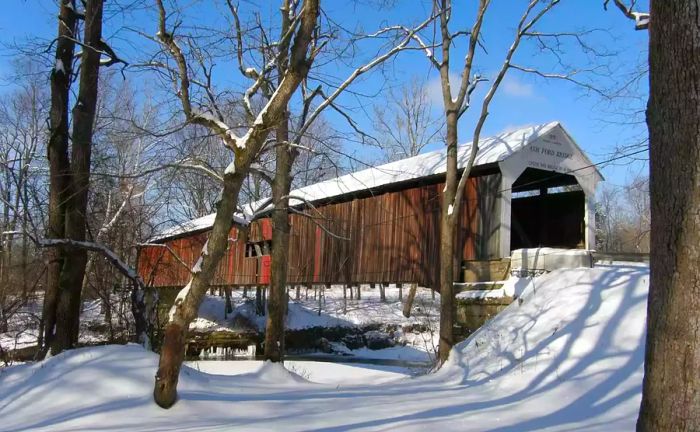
(313, 371)
(568, 357)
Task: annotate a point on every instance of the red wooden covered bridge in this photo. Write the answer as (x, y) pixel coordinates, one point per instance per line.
(529, 187)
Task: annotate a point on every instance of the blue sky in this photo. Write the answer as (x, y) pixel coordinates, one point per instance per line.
(522, 99)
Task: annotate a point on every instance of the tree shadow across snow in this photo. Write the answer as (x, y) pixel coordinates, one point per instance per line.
(603, 397)
(573, 371)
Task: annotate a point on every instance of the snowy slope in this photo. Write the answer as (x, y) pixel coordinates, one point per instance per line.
(569, 357)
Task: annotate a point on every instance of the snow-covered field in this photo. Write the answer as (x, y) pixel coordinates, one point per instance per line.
(569, 356)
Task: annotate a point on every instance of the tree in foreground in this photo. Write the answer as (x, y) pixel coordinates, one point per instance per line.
(244, 149)
(456, 102)
(70, 173)
(671, 390)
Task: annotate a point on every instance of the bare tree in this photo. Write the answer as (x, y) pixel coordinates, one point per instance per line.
(70, 175)
(119, 214)
(296, 45)
(406, 123)
(455, 105)
(623, 217)
(287, 149)
(22, 135)
(609, 220)
(637, 194)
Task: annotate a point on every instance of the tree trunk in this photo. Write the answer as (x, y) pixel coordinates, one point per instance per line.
(400, 287)
(447, 242)
(671, 390)
(258, 301)
(83, 119)
(320, 297)
(281, 186)
(345, 299)
(186, 305)
(264, 300)
(59, 166)
(274, 330)
(382, 292)
(409, 300)
(228, 307)
(144, 301)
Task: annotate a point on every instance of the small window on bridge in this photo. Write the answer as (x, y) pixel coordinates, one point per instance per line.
(258, 249)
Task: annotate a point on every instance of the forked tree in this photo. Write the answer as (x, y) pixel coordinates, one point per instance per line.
(69, 154)
(455, 105)
(297, 45)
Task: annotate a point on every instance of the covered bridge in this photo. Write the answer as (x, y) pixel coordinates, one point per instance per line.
(530, 187)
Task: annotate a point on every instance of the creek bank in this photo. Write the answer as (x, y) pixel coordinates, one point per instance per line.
(339, 340)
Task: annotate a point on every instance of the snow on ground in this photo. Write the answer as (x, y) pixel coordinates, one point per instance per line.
(568, 357)
(317, 372)
(24, 324)
(304, 313)
(512, 287)
(22, 327)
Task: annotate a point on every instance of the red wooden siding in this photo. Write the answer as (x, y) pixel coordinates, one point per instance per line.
(388, 237)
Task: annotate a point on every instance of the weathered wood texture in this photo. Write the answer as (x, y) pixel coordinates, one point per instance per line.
(386, 237)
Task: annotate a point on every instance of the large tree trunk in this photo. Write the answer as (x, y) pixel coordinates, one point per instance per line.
(671, 392)
(73, 271)
(447, 242)
(59, 166)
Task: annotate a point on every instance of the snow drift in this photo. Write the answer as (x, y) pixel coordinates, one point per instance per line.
(568, 356)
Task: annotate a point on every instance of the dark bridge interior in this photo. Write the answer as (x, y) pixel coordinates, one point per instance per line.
(547, 210)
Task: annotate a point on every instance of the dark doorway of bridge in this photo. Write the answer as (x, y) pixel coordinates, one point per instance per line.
(547, 210)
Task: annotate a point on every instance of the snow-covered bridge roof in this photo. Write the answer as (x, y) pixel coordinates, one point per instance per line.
(491, 150)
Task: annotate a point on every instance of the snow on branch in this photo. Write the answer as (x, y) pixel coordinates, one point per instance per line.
(570, 77)
(112, 257)
(193, 116)
(641, 19)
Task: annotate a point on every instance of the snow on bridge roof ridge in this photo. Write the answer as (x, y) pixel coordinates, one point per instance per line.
(491, 150)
